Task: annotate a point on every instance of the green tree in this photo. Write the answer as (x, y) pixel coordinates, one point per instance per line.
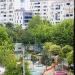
(2, 24)
(27, 70)
(46, 56)
(39, 29)
(70, 57)
(18, 31)
(27, 37)
(15, 33)
(7, 57)
(66, 49)
(34, 22)
(9, 25)
(55, 50)
(42, 33)
(51, 49)
(63, 33)
(47, 45)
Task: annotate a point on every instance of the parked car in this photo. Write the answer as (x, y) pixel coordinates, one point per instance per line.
(59, 70)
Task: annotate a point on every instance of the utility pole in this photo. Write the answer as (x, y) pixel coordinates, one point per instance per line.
(23, 61)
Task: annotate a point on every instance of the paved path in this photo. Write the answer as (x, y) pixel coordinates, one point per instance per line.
(49, 72)
(37, 69)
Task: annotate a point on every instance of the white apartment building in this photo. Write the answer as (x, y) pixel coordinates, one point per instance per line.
(6, 11)
(62, 9)
(9, 12)
(40, 7)
(22, 17)
(53, 10)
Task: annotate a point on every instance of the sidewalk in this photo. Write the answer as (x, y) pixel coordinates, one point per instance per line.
(49, 72)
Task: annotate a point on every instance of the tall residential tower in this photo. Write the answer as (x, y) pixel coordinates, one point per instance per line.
(15, 11)
(53, 10)
(6, 11)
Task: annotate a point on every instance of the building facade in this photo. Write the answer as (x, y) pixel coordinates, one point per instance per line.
(22, 17)
(61, 10)
(53, 10)
(6, 11)
(14, 11)
(40, 7)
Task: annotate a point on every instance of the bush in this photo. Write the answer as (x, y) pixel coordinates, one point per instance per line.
(27, 71)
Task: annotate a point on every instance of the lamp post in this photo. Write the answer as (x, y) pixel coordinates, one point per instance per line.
(23, 61)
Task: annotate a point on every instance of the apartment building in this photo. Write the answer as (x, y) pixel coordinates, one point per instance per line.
(14, 11)
(62, 9)
(22, 17)
(6, 11)
(40, 7)
(53, 10)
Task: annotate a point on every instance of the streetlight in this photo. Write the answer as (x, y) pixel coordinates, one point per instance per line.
(23, 61)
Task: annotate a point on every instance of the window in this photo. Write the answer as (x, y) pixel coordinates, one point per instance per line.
(38, 9)
(1, 11)
(4, 15)
(10, 0)
(19, 48)
(20, 21)
(2, 0)
(67, 15)
(37, 3)
(57, 22)
(17, 13)
(18, 17)
(21, 17)
(44, 6)
(25, 20)
(28, 13)
(22, 0)
(28, 17)
(10, 19)
(57, 16)
(58, 12)
(44, 9)
(36, 13)
(37, 6)
(67, 3)
(10, 15)
(10, 11)
(26, 24)
(44, 13)
(57, 7)
(71, 14)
